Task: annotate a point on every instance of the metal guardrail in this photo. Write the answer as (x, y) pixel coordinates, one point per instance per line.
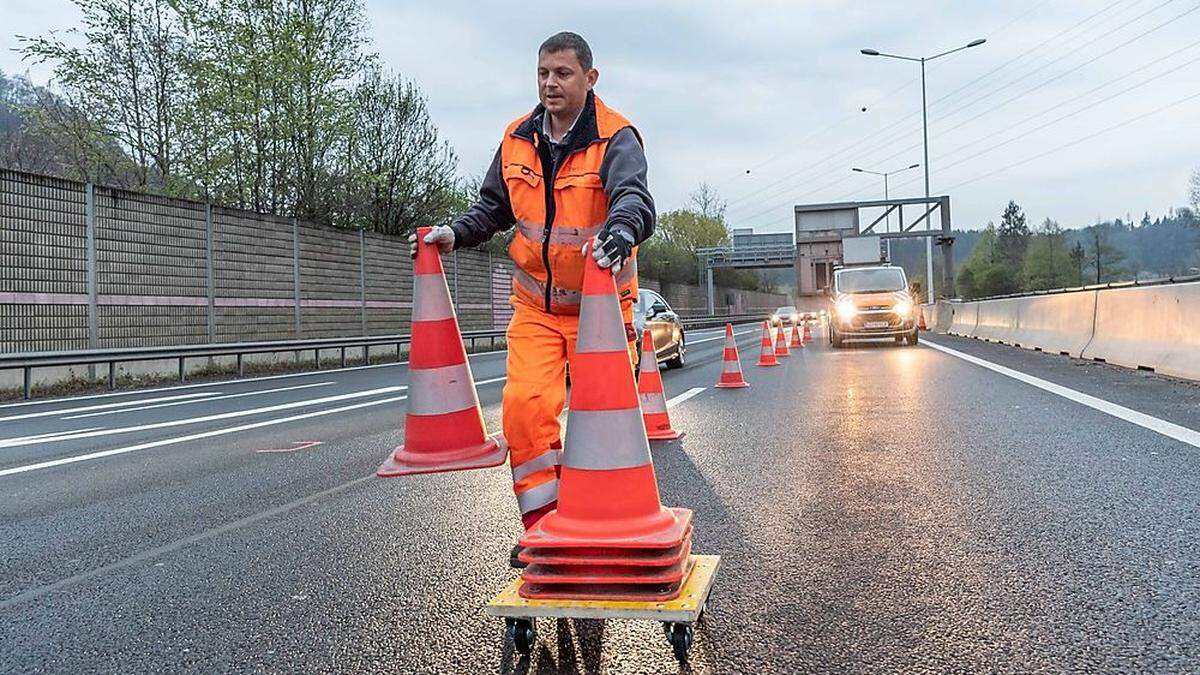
(111, 357)
(1136, 283)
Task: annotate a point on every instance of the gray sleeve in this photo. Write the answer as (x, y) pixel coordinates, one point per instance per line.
(623, 173)
(490, 214)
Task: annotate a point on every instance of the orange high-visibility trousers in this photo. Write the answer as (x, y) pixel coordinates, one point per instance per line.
(539, 347)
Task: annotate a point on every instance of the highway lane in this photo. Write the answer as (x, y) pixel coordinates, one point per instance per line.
(878, 509)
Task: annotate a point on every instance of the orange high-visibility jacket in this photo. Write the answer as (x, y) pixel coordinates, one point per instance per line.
(557, 207)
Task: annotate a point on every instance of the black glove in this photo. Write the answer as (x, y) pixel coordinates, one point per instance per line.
(612, 248)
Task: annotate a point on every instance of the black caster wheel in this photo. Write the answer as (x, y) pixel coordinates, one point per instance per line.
(523, 633)
(680, 636)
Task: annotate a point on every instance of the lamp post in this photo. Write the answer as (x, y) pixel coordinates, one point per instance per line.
(888, 225)
(925, 134)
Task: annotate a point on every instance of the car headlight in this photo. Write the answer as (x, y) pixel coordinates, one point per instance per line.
(903, 308)
(846, 309)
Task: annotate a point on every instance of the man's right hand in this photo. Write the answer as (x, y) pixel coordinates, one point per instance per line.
(440, 235)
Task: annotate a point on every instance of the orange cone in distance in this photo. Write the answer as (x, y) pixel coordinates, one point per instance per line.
(443, 428)
(796, 341)
(766, 352)
(921, 319)
(781, 342)
(609, 522)
(650, 395)
(807, 333)
(731, 369)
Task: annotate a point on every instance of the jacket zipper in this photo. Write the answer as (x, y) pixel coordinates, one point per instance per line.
(548, 171)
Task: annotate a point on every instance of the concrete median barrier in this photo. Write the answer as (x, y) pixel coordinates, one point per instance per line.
(1156, 328)
(1059, 324)
(964, 317)
(997, 320)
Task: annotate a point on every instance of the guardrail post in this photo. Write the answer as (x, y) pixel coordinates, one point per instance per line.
(28, 377)
(181, 370)
(112, 374)
(241, 370)
(343, 357)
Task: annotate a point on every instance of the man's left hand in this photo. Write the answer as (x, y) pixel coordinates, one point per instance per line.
(612, 248)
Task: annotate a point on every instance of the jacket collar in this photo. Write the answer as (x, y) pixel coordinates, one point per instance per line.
(585, 132)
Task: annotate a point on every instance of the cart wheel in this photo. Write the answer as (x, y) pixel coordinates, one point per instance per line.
(680, 636)
(523, 633)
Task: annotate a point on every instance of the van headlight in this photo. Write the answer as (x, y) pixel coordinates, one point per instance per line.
(903, 308)
(846, 309)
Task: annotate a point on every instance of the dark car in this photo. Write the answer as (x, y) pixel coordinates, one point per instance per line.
(652, 312)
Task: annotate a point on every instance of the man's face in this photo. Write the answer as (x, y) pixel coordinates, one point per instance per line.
(562, 83)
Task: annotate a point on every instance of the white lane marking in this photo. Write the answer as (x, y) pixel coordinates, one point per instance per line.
(231, 381)
(106, 406)
(680, 398)
(38, 437)
(202, 400)
(1141, 419)
(68, 436)
(206, 434)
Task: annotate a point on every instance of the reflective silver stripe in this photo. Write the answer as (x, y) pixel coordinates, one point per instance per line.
(536, 497)
(532, 231)
(437, 391)
(607, 332)
(543, 461)
(572, 236)
(525, 280)
(729, 343)
(606, 439)
(627, 273)
(431, 298)
(649, 362)
(732, 367)
(653, 403)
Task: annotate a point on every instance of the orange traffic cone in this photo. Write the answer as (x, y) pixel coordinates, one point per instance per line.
(807, 333)
(731, 371)
(650, 395)
(796, 341)
(443, 430)
(610, 537)
(781, 342)
(766, 353)
(921, 319)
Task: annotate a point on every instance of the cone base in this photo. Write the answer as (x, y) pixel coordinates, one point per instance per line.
(733, 385)
(492, 452)
(612, 592)
(606, 556)
(606, 575)
(767, 364)
(545, 534)
(663, 435)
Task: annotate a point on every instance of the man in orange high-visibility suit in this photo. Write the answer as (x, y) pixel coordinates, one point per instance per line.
(571, 171)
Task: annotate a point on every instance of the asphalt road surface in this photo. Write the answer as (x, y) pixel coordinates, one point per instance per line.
(955, 506)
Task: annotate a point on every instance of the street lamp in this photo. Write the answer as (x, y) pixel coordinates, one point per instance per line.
(888, 214)
(925, 133)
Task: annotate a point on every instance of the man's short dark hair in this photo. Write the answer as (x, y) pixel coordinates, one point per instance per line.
(572, 41)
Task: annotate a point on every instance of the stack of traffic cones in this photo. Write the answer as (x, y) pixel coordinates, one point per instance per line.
(781, 342)
(731, 371)
(443, 430)
(610, 537)
(651, 397)
(766, 352)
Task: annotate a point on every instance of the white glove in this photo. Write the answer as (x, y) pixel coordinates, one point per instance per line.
(441, 235)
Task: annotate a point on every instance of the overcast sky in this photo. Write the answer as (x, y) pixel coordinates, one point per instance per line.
(777, 88)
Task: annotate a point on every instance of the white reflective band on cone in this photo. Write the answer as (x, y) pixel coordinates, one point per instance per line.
(543, 461)
(606, 439)
(649, 361)
(731, 367)
(536, 497)
(431, 298)
(606, 329)
(652, 403)
(437, 391)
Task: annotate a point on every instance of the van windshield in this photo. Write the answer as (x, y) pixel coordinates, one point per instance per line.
(875, 280)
